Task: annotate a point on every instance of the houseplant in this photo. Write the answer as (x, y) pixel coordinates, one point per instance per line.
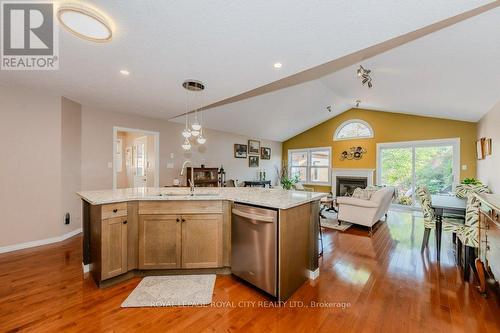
(285, 180)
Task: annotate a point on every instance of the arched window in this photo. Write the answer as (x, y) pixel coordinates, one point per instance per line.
(353, 129)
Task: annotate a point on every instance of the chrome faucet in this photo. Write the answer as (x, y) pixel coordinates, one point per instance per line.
(191, 180)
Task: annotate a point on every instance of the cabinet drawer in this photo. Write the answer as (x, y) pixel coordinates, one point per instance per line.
(180, 207)
(114, 210)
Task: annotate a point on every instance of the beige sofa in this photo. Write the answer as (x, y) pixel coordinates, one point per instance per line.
(365, 212)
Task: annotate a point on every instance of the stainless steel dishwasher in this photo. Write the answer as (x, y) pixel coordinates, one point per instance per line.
(254, 252)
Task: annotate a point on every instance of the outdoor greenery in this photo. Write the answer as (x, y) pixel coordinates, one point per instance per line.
(433, 169)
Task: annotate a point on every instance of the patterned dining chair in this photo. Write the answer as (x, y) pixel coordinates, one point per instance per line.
(448, 224)
(463, 190)
(468, 234)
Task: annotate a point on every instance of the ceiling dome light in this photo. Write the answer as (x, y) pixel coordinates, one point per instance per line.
(124, 72)
(85, 23)
(278, 65)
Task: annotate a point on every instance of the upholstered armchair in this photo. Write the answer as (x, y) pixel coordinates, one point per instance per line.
(365, 212)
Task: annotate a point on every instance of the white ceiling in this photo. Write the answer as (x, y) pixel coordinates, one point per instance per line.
(452, 73)
(230, 45)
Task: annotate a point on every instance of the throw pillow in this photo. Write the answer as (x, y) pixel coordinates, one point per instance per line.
(365, 194)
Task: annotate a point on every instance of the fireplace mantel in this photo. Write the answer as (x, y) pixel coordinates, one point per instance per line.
(337, 172)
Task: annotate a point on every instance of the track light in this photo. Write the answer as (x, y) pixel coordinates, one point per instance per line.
(364, 74)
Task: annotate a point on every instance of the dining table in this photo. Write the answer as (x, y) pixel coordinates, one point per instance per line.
(446, 205)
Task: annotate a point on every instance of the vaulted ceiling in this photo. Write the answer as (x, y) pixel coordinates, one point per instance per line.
(232, 45)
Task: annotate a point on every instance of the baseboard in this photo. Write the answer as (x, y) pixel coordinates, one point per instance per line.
(313, 275)
(20, 246)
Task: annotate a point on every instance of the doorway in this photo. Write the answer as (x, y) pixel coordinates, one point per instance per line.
(135, 158)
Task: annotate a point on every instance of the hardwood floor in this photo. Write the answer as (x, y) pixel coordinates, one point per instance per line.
(379, 284)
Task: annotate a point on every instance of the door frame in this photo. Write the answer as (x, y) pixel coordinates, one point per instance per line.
(156, 135)
(454, 142)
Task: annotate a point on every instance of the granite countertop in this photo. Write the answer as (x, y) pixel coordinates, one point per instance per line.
(273, 198)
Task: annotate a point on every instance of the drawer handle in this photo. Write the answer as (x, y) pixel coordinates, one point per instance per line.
(115, 210)
(183, 220)
(125, 222)
(178, 220)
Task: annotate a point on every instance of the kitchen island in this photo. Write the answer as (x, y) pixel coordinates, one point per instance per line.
(141, 231)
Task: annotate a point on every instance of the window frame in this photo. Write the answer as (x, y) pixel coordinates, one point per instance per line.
(309, 167)
(455, 143)
(350, 121)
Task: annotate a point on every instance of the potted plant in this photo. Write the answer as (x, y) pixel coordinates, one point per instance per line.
(285, 180)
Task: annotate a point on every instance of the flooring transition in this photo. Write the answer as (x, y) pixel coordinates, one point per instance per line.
(378, 284)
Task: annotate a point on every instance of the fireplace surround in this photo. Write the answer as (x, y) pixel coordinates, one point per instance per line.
(355, 174)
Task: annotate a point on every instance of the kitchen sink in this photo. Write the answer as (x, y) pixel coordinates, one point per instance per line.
(188, 195)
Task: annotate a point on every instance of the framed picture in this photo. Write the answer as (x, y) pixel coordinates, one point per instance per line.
(240, 151)
(253, 147)
(487, 147)
(265, 153)
(253, 161)
(480, 152)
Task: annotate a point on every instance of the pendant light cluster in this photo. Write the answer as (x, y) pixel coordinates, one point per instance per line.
(194, 130)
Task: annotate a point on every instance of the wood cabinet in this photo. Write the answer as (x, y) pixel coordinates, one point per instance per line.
(159, 241)
(202, 241)
(180, 241)
(113, 247)
(124, 237)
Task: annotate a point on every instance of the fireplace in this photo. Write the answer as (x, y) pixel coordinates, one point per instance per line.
(347, 185)
(351, 178)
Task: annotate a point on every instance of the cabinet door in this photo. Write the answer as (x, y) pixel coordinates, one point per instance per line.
(113, 247)
(202, 240)
(159, 241)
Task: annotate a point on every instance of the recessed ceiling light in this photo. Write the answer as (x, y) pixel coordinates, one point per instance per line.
(124, 72)
(85, 23)
(278, 65)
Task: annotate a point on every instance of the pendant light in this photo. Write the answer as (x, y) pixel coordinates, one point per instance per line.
(195, 127)
(201, 139)
(186, 133)
(195, 130)
(186, 145)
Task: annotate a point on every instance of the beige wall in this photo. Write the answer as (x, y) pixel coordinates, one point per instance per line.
(125, 178)
(97, 136)
(53, 147)
(71, 123)
(30, 172)
(488, 169)
(121, 177)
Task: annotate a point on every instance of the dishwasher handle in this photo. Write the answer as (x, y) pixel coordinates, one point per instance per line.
(255, 217)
